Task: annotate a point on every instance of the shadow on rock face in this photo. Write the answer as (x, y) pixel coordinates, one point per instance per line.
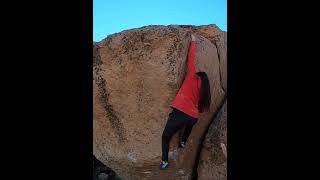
(102, 172)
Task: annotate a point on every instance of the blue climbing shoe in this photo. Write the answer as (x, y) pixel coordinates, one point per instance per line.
(164, 164)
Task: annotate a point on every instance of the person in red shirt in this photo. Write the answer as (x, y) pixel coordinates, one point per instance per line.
(194, 97)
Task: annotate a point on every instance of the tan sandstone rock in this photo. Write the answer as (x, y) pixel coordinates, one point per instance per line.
(213, 157)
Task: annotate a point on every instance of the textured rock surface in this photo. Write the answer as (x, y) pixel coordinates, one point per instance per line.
(213, 161)
(137, 73)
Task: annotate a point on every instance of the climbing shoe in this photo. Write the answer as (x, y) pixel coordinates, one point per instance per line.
(164, 165)
(182, 144)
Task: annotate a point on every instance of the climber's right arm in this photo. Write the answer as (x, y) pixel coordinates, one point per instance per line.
(191, 56)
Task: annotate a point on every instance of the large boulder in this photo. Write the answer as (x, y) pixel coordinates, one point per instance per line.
(213, 157)
(136, 75)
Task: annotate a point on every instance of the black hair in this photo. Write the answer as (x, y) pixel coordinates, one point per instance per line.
(205, 94)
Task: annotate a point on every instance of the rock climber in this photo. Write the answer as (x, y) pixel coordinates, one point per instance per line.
(193, 97)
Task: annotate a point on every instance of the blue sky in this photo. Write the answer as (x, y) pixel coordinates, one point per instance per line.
(112, 16)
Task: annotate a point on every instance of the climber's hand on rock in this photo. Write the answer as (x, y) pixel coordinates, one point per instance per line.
(193, 38)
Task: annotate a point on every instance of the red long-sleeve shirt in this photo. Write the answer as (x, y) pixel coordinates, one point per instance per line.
(188, 95)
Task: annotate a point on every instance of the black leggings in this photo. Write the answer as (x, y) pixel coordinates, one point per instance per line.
(176, 121)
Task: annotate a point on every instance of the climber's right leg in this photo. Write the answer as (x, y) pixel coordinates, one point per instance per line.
(187, 131)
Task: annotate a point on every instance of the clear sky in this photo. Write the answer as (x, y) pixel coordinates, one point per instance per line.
(112, 16)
